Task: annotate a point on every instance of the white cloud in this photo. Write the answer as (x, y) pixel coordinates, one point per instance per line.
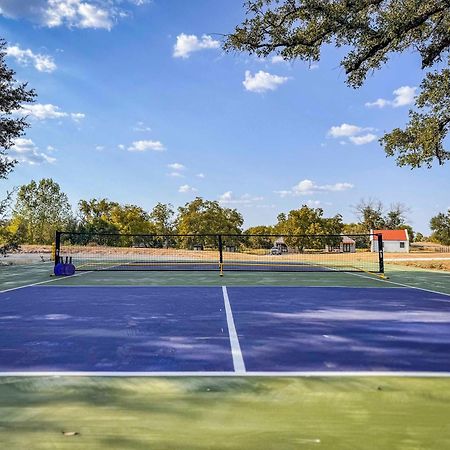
(344, 130)
(97, 14)
(187, 44)
(262, 81)
(200, 175)
(142, 146)
(77, 116)
(308, 187)
(313, 66)
(100, 148)
(185, 188)
(364, 139)
(176, 166)
(176, 175)
(313, 203)
(140, 2)
(403, 96)
(121, 147)
(42, 111)
(228, 198)
(354, 134)
(140, 126)
(77, 13)
(42, 63)
(379, 103)
(277, 59)
(26, 151)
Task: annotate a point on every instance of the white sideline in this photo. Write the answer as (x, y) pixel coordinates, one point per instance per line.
(238, 360)
(382, 280)
(42, 282)
(305, 374)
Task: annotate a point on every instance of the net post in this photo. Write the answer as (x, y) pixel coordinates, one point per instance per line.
(219, 239)
(380, 253)
(57, 247)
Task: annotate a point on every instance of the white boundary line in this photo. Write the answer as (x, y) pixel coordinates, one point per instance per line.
(318, 374)
(42, 282)
(238, 360)
(215, 286)
(399, 284)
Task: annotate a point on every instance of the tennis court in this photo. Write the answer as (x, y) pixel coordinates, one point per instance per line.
(95, 328)
(173, 359)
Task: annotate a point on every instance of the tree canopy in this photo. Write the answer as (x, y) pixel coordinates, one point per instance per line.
(440, 225)
(372, 30)
(207, 217)
(12, 123)
(308, 221)
(40, 209)
(372, 216)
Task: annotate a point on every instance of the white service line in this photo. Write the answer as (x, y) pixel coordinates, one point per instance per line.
(398, 284)
(43, 282)
(321, 374)
(238, 360)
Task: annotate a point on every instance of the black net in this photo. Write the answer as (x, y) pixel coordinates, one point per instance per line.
(287, 253)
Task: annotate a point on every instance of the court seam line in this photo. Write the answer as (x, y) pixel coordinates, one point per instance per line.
(330, 374)
(399, 284)
(236, 353)
(42, 282)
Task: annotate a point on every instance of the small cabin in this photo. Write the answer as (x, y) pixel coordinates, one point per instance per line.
(347, 245)
(394, 241)
(281, 245)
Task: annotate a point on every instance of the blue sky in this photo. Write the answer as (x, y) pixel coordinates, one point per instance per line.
(138, 103)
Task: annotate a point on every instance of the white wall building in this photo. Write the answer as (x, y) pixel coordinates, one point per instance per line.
(394, 241)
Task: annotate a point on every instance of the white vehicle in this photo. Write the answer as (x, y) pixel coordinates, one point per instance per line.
(275, 251)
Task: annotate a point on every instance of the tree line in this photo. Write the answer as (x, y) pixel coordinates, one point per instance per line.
(41, 208)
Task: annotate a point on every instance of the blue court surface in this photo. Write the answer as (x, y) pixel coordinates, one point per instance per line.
(217, 330)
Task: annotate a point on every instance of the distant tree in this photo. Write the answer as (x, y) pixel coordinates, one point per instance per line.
(370, 214)
(13, 96)
(354, 228)
(93, 209)
(41, 209)
(396, 216)
(419, 237)
(101, 216)
(440, 225)
(162, 218)
(207, 217)
(409, 229)
(308, 221)
(257, 239)
(9, 240)
(131, 219)
(372, 217)
(370, 31)
(95, 216)
(358, 232)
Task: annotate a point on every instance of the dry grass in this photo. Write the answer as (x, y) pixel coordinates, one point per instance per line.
(431, 265)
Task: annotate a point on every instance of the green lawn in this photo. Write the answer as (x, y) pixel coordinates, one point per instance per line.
(225, 413)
